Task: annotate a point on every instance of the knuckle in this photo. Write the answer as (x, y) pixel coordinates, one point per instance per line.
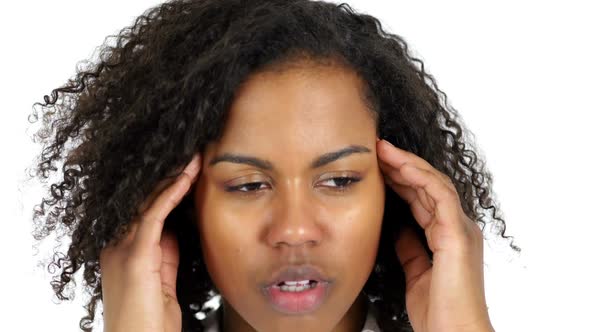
(406, 165)
(467, 236)
(173, 200)
(441, 175)
(170, 203)
(450, 195)
(447, 179)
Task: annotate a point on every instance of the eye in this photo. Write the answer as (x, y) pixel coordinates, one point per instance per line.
(343, 182)
(244, 187)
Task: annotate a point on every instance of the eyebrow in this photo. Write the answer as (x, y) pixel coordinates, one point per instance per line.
(318, 162)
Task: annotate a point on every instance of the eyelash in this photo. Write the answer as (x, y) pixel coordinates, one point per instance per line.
(349, 180)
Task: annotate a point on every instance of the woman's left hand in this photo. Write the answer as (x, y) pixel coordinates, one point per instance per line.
(447, 294)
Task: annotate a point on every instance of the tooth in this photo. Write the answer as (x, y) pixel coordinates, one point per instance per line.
(295, 289)
(297, 282)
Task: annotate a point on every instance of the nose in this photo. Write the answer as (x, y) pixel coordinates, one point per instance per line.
(294, 219)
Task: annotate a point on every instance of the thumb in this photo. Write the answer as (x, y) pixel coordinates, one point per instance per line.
(412, 255)
(170, 262)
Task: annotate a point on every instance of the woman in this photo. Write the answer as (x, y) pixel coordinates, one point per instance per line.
(242, 148)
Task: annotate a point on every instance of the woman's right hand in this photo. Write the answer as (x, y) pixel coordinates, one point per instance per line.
(139, 272)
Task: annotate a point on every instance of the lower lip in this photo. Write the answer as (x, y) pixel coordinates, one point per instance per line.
(297, 302)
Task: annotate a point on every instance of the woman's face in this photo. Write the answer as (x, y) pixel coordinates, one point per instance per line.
(270, 199)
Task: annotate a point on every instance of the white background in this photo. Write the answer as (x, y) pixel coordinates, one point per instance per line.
(516, 71)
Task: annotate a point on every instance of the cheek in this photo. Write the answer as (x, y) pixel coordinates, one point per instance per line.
(224, 241)
(358, 233)
(227, 256)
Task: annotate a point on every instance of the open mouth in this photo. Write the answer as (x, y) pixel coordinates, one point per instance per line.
(296, 286)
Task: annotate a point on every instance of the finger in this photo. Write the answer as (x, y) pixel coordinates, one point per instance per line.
(392, 174)
(152, 221)
(410, 196)
(425, 200)
(395, 157)
(407, 191)
(155, 193)
(446, 201)
(170, 262)
(164, 183)
(412, 255)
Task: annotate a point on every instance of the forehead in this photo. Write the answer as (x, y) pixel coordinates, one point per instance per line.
(301, 104)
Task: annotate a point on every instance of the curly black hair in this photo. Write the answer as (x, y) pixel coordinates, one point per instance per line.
(162, 92)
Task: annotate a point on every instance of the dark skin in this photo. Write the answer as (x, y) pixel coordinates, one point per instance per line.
(295, 214)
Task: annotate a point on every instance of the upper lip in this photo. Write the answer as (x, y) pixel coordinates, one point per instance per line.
(296, 273)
